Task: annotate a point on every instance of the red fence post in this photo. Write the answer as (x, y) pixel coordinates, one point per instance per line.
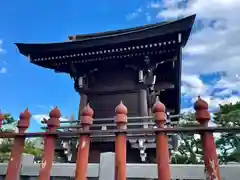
(120, 143)
(49, 145)
(14, 164)
(84, 144)
(1, 119)
(161, 142)
(209, 147)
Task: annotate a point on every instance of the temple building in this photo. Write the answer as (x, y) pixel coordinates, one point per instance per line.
(134, 65)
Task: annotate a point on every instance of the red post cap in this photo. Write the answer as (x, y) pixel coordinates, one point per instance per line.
(159, 113)
(200, 104)
(24, 121)
(121, 108)
(121, 116)
(54, 120)
(1, 116)
(201, 108)
(55, 113)
(87, 115)
(158, 106)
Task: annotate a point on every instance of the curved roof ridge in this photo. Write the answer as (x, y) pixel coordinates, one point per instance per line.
(80, 37)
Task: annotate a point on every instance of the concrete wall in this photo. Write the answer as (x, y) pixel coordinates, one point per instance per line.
(105, 170)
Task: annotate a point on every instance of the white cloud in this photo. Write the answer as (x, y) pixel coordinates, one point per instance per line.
(186, 110)
(3, 70)
(135, 14)
(45, 107)
(216, 46)
(192, 80)
(223, 93)
(40, 117)
(195, 87)
(1, 47)
(192, 85)
(154, 5)
(148, 17)
(231, 83)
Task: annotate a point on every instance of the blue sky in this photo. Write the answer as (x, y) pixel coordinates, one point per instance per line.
(26, 85)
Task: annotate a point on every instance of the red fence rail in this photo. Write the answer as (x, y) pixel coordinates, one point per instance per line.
(202, 116)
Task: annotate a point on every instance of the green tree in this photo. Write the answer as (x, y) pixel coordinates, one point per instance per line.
(228, 115)
(190, 149)
(9, 125)
(228, 144)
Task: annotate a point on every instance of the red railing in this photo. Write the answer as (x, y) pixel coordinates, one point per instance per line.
(202, 116)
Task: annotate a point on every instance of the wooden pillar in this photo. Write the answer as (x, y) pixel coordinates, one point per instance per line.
(74, 150)
(49, 145)
(14, 163)
(143, 102)
(84, 144)
(120, 143)
(1, 119)
(209, 147)
(161, 142)
(83, 103)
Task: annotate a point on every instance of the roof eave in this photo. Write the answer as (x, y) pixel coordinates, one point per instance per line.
(31, 49)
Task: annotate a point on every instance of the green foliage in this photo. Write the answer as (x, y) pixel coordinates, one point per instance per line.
(228, 144)
(6, 144)
(228, 115)
(8, 119)
(30, 148)
(189, 150)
